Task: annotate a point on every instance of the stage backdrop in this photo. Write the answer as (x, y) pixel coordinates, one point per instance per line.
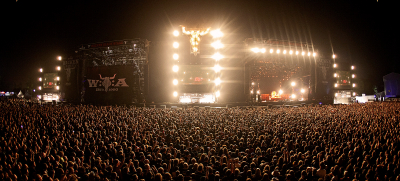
(109, 85)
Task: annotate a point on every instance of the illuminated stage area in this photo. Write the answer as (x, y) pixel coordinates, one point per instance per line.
(196, 69)
(278, 70)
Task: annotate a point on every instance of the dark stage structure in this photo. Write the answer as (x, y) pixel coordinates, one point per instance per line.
(107, 73)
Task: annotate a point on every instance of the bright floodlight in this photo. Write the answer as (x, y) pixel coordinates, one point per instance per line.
(58, 78)
(217, 81)
(302, 90)
(255, 50)
(258, 91)
(58, 68)
(293, 83)
(335, 75)
(175, 81)
(334, 65)
(59, 58)
(216, 33)
(293, 96)
(217, 56)
(217, 44)
(314, 54)
(297, 52)
(58, 87)
(354, 94)
(271, 50)
(353, 67)
(333, 56)
(175, 68)
(217, 68)
(251, 91)
(175, 45)
(40, 70)
(284, 51)
(40, 87)
(262, 50)
(336, 85)
(309, 54)
(303, 53)
(252, 83)
(175, 56)
(353, 76)
(280, 91)
(354, 85)
(40, 79)
(217, 94)
(175, 94)
(291, 52)
(176, 33)
(278, 51)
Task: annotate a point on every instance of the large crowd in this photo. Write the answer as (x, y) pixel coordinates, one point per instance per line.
(84, 142)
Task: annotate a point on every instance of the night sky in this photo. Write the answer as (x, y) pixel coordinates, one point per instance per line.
(34, 33)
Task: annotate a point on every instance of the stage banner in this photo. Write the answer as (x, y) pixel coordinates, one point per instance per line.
(109, 85)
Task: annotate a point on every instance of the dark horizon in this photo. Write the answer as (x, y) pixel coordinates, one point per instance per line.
(37, 32)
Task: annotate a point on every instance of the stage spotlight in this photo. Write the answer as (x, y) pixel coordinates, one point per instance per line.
(251, 92)
(258, 91)
(175, 45)
(175, 56)
(252, 83)
(333, 56)
(271, 50)
(217, 68)
(334, 65)
(353, 76)
(175, 68)
(354, 94)
(302, 90)
(59, 58)
(293, 84)
(216, 33)
(314, 54)
(309, 54)
(40, 79)
(354, 85)
(297, 52)
(335, 75)
(217, 94)
(175, 82)
(58, 78)
(262, 50)
(58, 68)
(336, 85)
(278, 51)
(217, 56)
(284, 51)
(353, 67)
(293, 96)
(40, 87)
(175, 94)
(255, 50)
(40, 70)
(58, 87)
(217, 81)
(217, 44)
(280, 91)
(291, 52)
(176, 33)
(303, 53)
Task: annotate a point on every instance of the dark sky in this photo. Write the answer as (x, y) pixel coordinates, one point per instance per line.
(35, 32)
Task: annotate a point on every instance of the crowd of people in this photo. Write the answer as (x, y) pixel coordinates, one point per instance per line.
(84, 142)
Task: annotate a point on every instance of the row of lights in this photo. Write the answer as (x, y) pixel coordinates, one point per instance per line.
(352, 67)
(278, 51)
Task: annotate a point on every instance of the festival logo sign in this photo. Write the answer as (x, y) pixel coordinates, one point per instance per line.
(107, 84)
